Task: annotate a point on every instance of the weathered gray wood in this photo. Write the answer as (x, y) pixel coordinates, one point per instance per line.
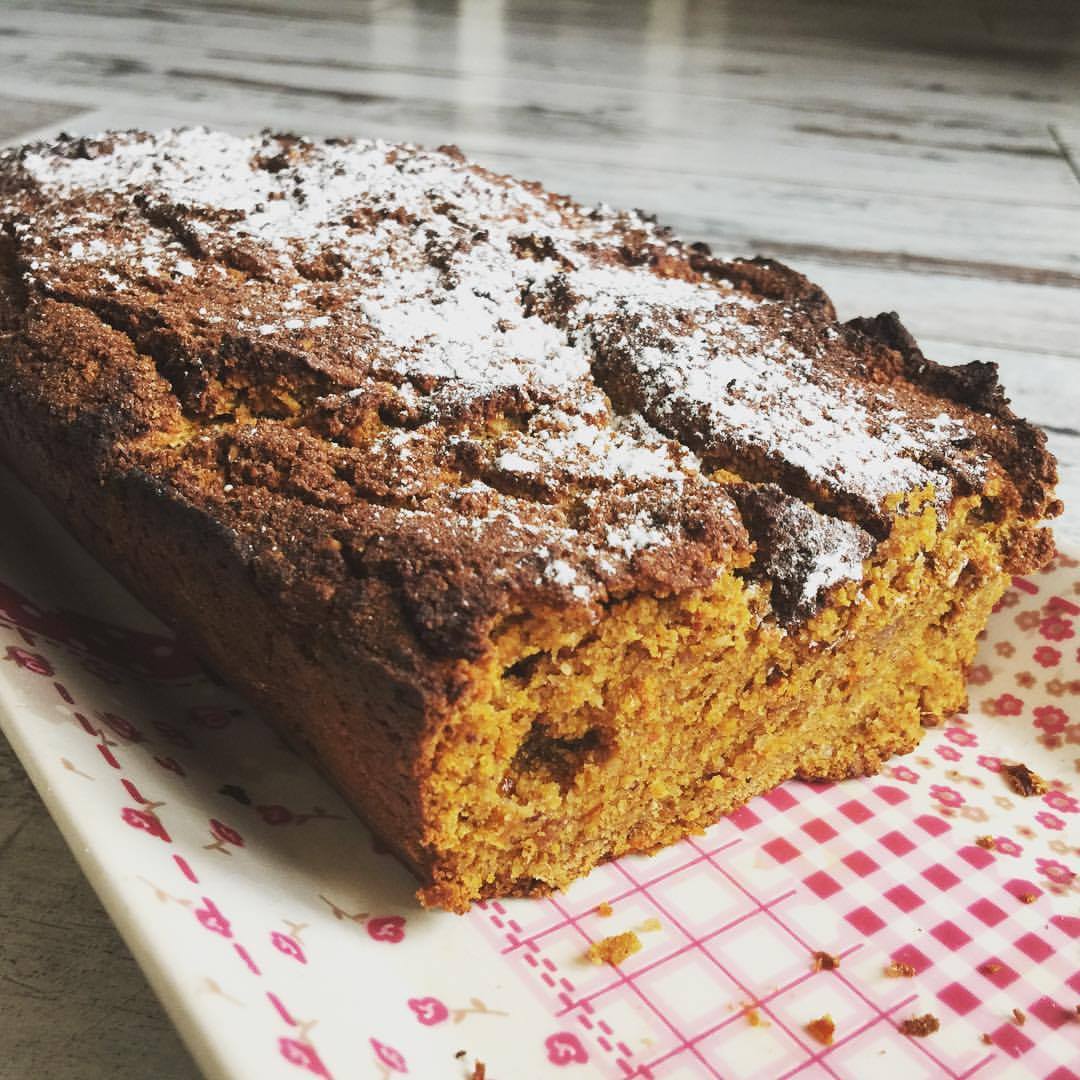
(20, 114)
(711, 127)
(1067, 138)
(917, 156)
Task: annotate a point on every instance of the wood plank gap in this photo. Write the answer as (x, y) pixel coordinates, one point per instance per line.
(978, 343)
(932, 264)
(1066, 153)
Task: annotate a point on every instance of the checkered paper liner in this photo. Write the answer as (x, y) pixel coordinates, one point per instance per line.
(284, 943)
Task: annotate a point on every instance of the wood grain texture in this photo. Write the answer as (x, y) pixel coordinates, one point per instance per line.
(910, 155)
(18, 114)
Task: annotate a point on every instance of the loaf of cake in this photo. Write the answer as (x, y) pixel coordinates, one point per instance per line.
(547, 536)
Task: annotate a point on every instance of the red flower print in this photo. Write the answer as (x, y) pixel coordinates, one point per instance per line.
(1028, 620)
(1056, 628)
(288, 945)
(1046, 656)
(947, 796)
(143, 819)
(124, 728)
(1059, 603)
(429, 1011)
(273, 814)
(1008, 705)
(1049, 821)
(1051, 719)
(961, 736)
(225, 833)
(1025, 586)
(210, 916)
(1056, 871)
(1006, 846)
(173, 734)
(979, 675)
(29, 661)
(387, 928)
(1008, 599)
(303, 1054)
(171, 764)
(903, 773)
(988, 761)
(565, 1049)
(1058, 800)
(949, 753)
(210, 716)
(390, 1057)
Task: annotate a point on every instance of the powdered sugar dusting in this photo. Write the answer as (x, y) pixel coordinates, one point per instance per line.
(802, 553)
(840, 559)
(695, 354)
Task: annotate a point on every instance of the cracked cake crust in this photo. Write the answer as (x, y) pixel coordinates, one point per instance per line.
(397, 402)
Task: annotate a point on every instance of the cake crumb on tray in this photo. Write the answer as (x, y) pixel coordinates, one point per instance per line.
(824, 961)
(823, 1029)
(614, 949)
(920, 1026)
(1023, 781)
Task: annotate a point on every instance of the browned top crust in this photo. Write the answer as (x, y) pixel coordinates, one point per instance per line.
(418, 395)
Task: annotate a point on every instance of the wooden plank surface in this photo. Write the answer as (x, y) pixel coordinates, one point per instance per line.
(912, 155)
(19, 114)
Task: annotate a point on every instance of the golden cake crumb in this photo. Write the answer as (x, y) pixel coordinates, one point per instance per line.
(1027, 898)
(753, 1017)
(824, 961)
(985, 842)
(987, 1039)
(651, 925)
(479, 1071)
(823, 1029)
(614, 949)
(989, 968)
(920, 1026)
(899, 970)
(1019, 1017)
(1023, 781)
(604, 910)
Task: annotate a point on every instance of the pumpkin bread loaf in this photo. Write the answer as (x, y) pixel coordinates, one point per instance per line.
(547, 536)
